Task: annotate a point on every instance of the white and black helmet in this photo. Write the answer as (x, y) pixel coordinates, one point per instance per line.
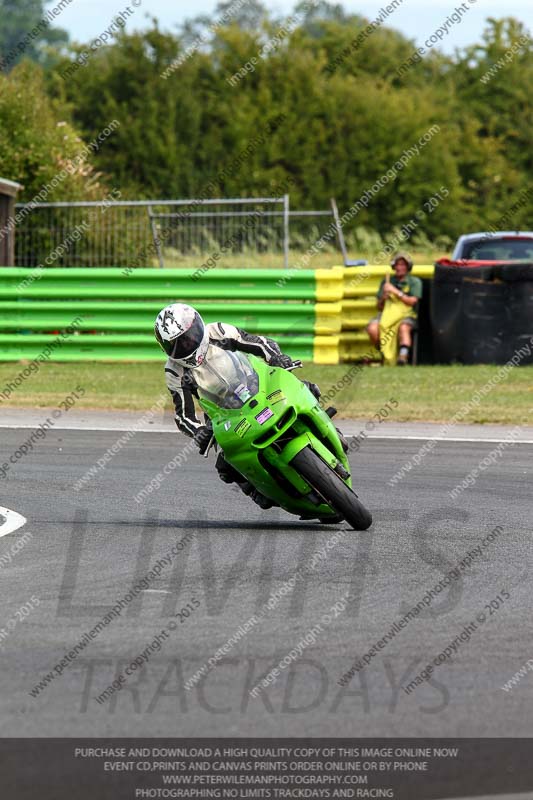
(182, 334)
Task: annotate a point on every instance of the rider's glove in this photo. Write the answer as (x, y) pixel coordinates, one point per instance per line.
(280, 360)
(202, 437)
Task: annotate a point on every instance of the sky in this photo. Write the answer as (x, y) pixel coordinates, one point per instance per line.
(417, 19)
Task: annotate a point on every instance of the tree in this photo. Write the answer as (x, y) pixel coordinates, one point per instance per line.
(38, 143)
(339, 117)
(495, 79)
(24, 32)
(248, 16)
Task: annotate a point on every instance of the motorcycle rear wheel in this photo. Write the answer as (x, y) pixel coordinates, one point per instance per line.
(332, 489)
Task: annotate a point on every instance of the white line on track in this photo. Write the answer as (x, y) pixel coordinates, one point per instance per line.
(392, 436)
(125, 429)
(13, 521)
(446, 439)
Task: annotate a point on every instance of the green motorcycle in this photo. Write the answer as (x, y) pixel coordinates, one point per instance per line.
(273, 431)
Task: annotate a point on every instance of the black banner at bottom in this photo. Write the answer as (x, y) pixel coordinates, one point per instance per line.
(131, 769)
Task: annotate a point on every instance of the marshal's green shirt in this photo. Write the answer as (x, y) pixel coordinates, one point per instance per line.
(410, 285)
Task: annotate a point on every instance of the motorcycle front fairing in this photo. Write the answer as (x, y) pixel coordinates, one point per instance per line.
(262, 417)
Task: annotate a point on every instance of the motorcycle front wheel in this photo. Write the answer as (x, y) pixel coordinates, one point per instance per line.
(332, 489)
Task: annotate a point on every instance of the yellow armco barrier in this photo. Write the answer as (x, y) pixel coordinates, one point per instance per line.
(356, 313)
(326, 349)
(364, 281)
(355, 346)
(361, 285)
(328, 318)
(329, 284)
(345, 302)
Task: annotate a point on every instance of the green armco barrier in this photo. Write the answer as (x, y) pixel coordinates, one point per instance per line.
(113, 347)
(115, 311)
(39, 315)
(165, 284)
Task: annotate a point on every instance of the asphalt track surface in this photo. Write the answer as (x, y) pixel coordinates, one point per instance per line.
(88, 547)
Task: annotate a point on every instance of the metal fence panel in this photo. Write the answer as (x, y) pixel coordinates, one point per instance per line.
(153, 233)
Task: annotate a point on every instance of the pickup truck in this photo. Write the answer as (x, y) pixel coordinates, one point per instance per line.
(497, 246)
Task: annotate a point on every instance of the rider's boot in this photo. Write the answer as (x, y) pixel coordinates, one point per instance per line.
(331, 411)
(344, 441)
(261, 500)
(313, 388)
(229, 474)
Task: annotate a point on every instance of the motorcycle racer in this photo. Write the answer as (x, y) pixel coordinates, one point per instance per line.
(185, 338)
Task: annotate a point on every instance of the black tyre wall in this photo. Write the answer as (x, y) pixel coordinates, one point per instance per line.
(482, 315)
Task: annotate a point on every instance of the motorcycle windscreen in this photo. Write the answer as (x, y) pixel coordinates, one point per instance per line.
(226, 378)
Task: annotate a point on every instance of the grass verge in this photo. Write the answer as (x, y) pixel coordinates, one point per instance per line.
(268, 260)
(424, 394)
